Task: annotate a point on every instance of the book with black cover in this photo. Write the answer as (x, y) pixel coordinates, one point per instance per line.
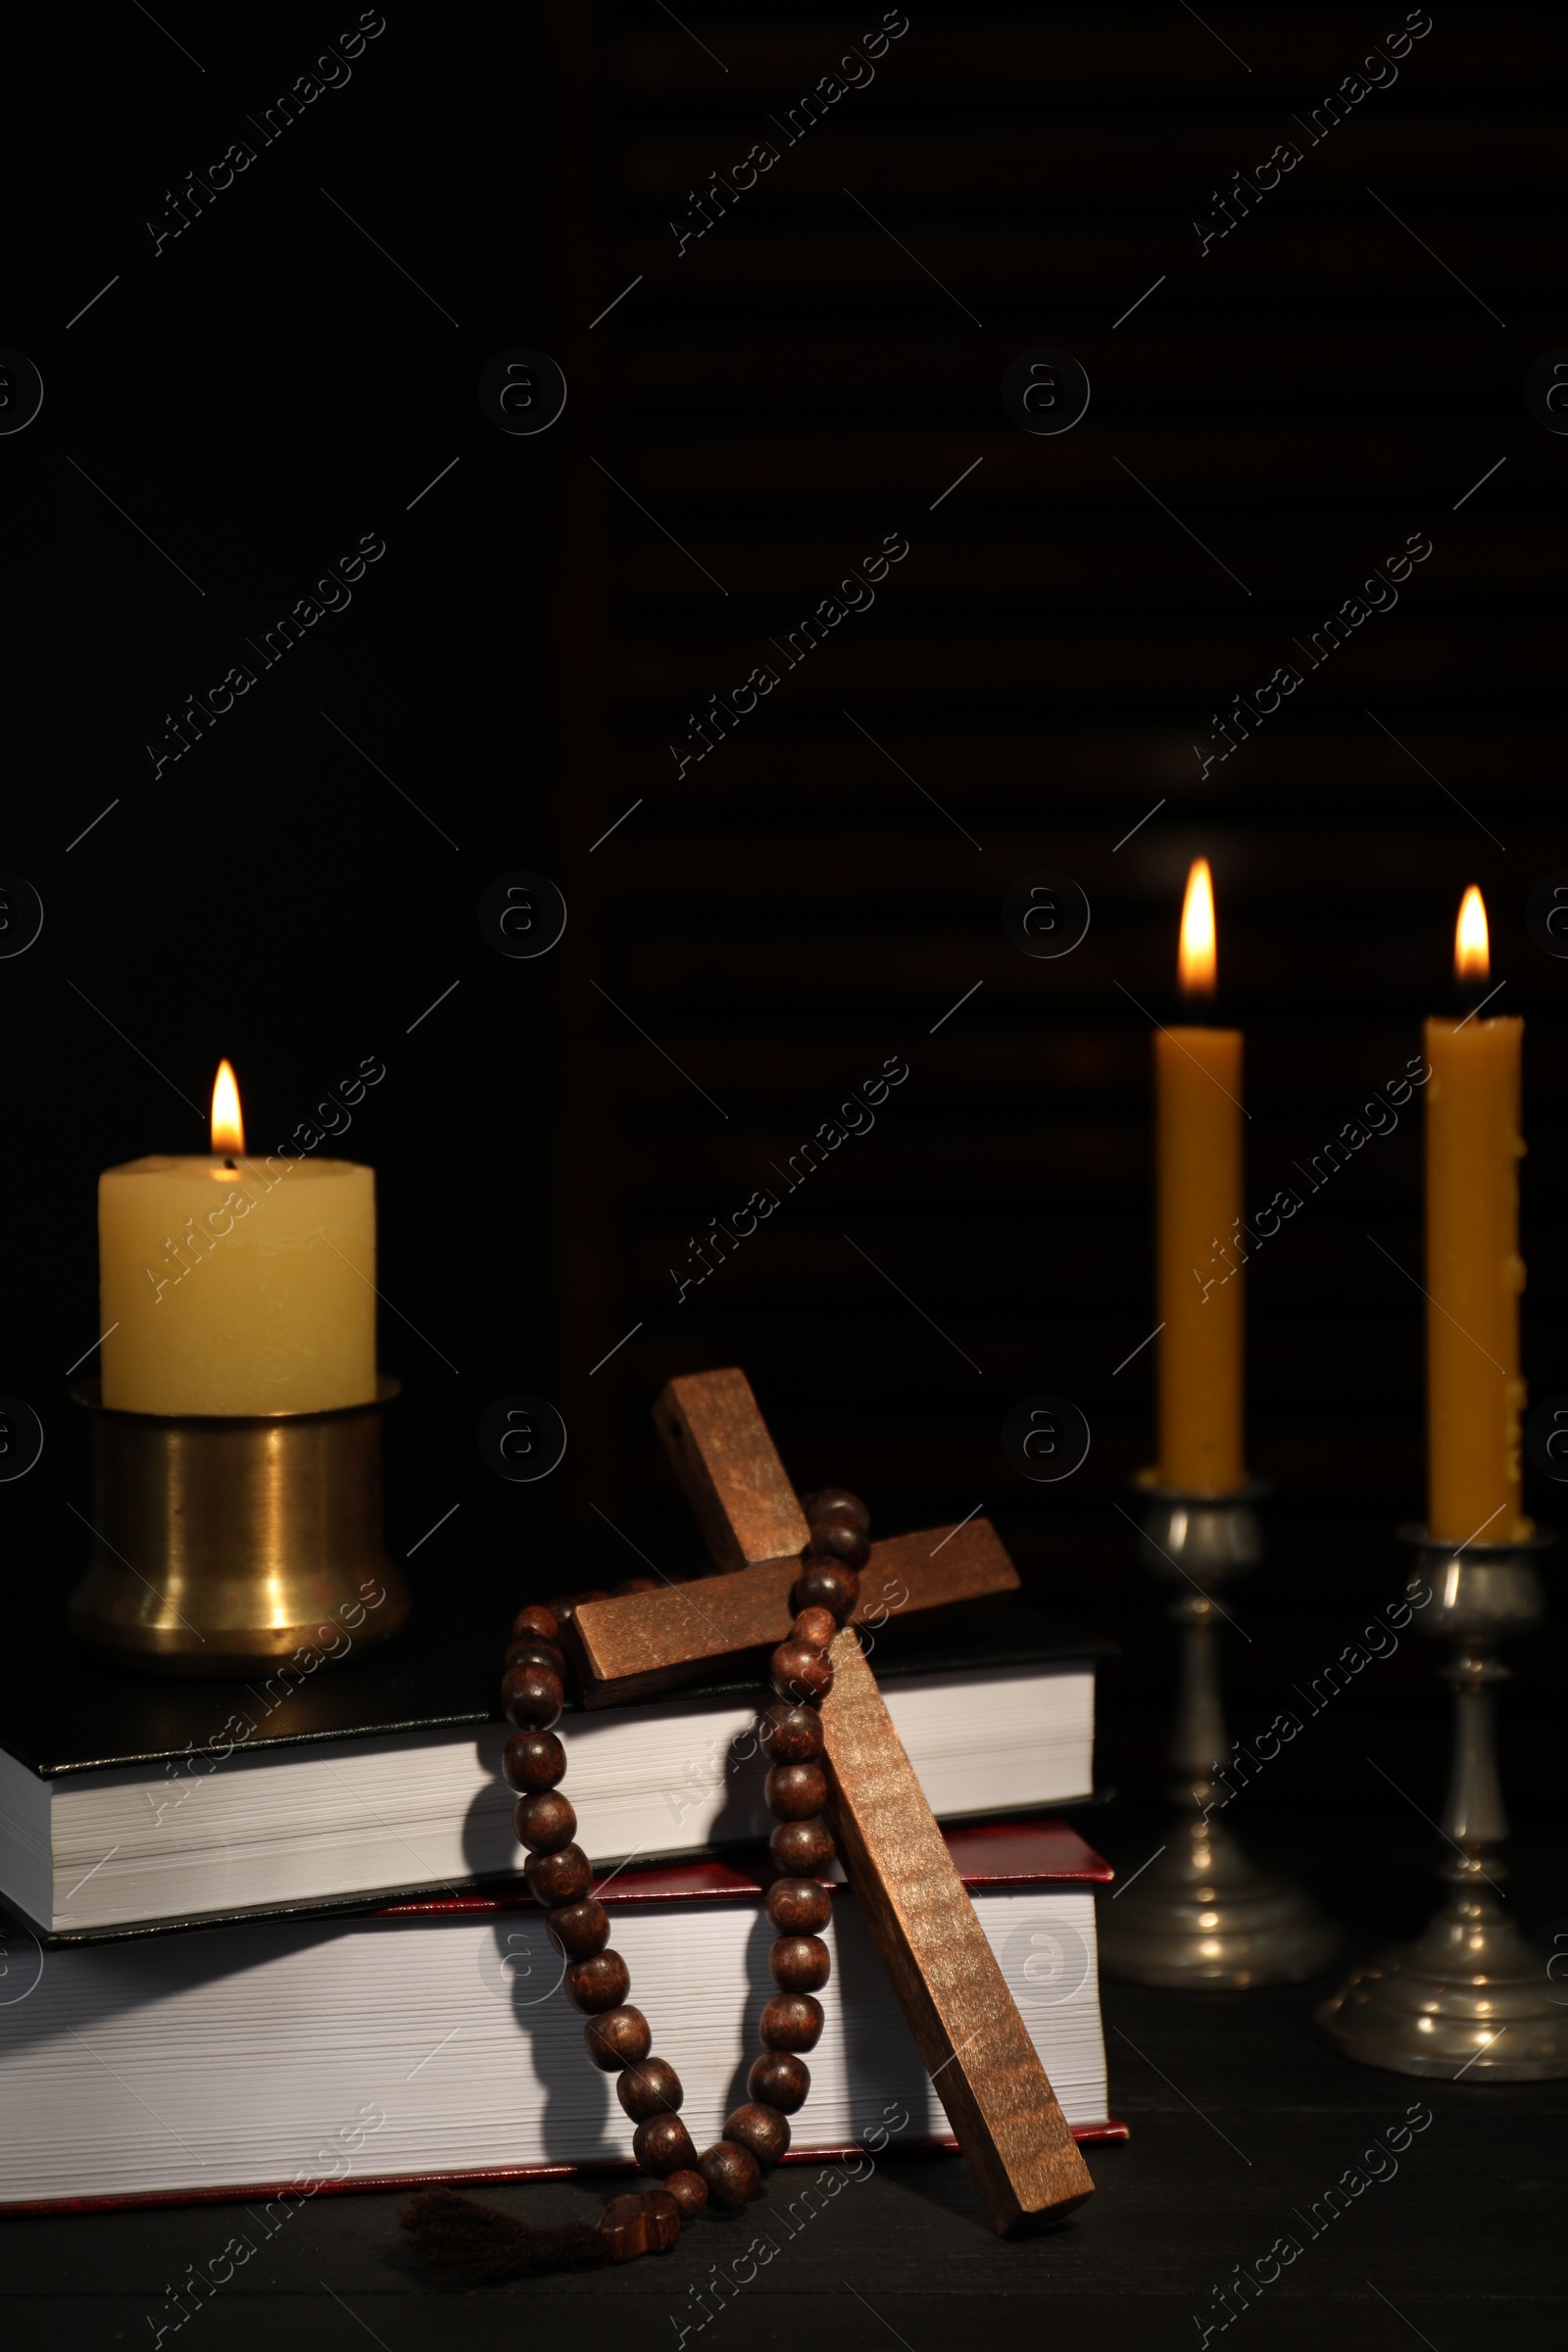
(432, 2040)
(130, 1804)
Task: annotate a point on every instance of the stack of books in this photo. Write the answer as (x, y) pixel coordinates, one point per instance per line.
(267, 1940)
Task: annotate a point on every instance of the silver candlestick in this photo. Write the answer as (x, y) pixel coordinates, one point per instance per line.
(1201, 1915)
(1468, 1998)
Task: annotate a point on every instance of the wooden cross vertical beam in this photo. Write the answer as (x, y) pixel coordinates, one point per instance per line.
(973, 2043)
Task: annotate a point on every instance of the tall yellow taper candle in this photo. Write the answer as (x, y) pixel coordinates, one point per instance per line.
(1198, 1114)
(1475, 1393)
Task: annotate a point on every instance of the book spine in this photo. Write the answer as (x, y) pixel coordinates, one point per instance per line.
(1109, 2128)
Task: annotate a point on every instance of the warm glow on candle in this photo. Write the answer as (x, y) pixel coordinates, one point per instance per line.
(1471, 952)
(1198, 1252)
(229, 1128)
(1474, 1274)
(1195, 961)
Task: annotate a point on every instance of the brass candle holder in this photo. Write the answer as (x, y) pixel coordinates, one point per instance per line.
(1201, 1916)
(1468, 1998)
(224, 1542)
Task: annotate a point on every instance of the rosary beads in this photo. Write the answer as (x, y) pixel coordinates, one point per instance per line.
(597, 1979)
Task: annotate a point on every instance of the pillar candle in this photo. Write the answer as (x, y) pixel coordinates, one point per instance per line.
(230, 1285)
(1197, 1123)
(1474, 1273)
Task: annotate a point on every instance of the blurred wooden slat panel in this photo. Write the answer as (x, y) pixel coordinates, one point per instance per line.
(1109, 150)
(792, 909)
(997, 57)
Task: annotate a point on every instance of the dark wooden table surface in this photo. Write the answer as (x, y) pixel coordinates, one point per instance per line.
(1240, 2121)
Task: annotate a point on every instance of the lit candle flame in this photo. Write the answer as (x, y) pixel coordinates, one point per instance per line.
(1471, 950)
(1196, 964)
(229, 1128)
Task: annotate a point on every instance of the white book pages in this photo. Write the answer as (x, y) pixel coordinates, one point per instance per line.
(276, 2051)
(336, 1820)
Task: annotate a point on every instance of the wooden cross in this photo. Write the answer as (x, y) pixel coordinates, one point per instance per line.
(969, 2035)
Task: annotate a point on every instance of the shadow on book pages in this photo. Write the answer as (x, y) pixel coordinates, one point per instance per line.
(278, 2058)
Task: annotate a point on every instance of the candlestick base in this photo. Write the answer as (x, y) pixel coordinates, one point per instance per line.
(1201, 1916)
(1468, 1999)
(1204, 1918)
(224, 1544)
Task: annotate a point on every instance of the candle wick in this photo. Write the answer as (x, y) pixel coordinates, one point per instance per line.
(231, 1163)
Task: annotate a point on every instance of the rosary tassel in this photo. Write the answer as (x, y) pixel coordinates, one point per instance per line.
(481, 2246)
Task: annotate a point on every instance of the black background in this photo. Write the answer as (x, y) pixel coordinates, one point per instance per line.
(1319, 384)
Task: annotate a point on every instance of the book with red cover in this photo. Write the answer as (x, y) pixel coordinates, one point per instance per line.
(428, 2040)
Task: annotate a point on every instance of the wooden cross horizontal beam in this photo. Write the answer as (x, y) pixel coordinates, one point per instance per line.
(638, 1644)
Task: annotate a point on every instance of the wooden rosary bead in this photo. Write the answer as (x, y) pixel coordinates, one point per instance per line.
(794, 1791)
(761, 2128)
(791, 2020)
(634, 1583)
(662, 2144)
(624, 2226)
(779, 2080)
(795, 1672)
(815, 1627)
(732, 2172)
(799, 1906)
(828, 1585)
(790, 1735)
(663, 2219)
(652, 2088)
(536, 1623)
(619, 2038)
(689, 2190)
(563, 1607)
(600, 1982)
(546, 1822)
(801, 1847)
(531, 1651)
(835, 1502)
(578, 1929)
(561, 1878)
(644, 2223)
(532, 1695)
(533, 1760)
(840, 1540)
(800, 1963)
